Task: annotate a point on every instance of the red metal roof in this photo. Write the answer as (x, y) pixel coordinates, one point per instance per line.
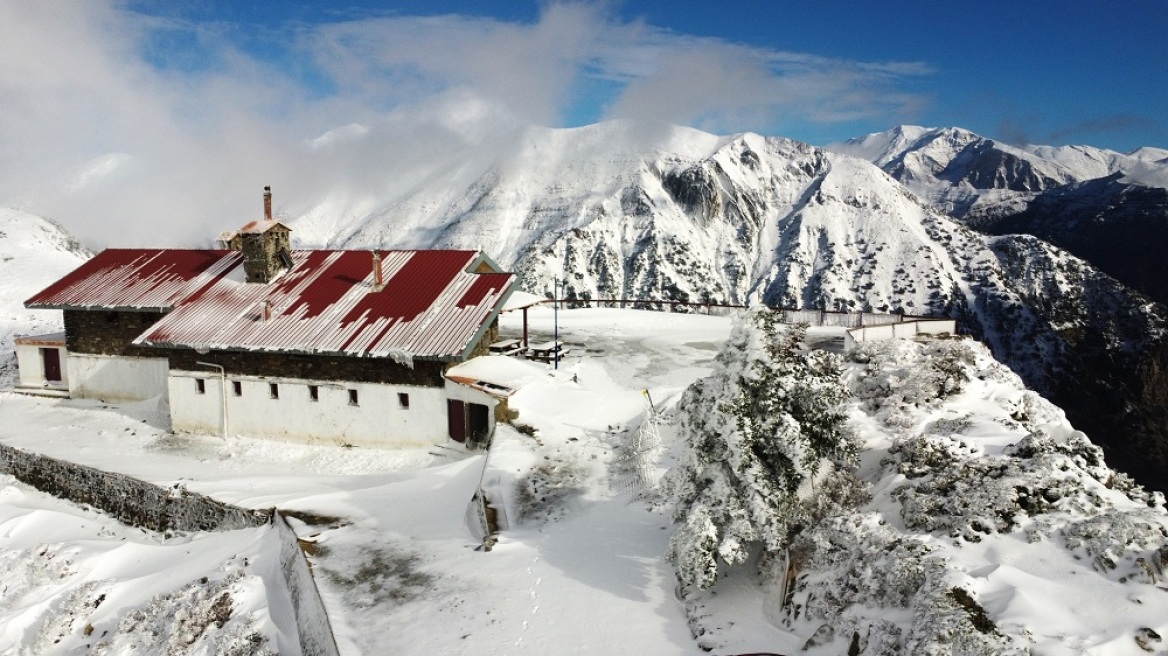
(137, 279)
(432, 304)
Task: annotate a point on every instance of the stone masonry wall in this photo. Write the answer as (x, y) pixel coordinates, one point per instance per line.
(312, 622)
(425, 373)
(102, 332)
(128, 500)
(149, 506)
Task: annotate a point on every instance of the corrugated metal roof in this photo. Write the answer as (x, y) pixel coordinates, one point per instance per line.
(137, 279)
(51, 339)
(432, 305)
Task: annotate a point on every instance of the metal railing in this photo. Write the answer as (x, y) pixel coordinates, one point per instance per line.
(836, 318)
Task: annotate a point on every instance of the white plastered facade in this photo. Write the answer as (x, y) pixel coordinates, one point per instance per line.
(30, 362)
(116, 378)
(377, 419)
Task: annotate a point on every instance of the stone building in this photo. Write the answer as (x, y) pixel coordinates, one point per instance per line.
(344, 347)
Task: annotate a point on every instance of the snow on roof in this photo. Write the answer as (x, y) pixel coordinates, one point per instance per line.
(520, 300)
(260, 227)
(50, 339)
(432, 304)
(496, 370)
(137, 279)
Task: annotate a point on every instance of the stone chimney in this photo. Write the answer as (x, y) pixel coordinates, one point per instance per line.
(265, 245)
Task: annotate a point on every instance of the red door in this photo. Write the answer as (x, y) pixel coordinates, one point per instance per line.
(51, 358)
(456, 419)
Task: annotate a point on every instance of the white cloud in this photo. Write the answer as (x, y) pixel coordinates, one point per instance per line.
(172, 154)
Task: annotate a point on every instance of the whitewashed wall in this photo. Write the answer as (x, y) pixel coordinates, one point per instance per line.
(903, 330)
(378, 420)
(114, 378)
(32, 367)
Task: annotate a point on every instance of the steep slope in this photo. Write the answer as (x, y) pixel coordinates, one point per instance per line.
(33, 253)
(696, 218)
(1105, 207)
(977, 522)
(1118, 227)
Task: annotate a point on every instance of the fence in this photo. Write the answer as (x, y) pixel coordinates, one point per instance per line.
(146, 505)
(830, 318)
(904, 330)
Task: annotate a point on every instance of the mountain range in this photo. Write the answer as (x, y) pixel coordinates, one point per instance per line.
(1008, 240)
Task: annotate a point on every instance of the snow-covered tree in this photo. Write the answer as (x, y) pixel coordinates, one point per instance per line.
(757, 431)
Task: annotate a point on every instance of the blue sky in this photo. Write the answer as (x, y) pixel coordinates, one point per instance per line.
(1054, 73)
(120, 116)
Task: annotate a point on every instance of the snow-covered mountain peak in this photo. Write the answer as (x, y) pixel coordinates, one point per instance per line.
(882, 147)
(1149, 154)
(932, 160)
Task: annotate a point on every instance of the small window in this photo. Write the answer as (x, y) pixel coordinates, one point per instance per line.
(403, 400)
(200, 386)
(146, 318)
(111, 317)
(237, 387)
(353, 397)
(314, 392)
(274, 390)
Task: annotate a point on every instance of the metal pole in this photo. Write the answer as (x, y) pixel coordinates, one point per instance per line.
(222, 393)
(525, 343)
(556, 321)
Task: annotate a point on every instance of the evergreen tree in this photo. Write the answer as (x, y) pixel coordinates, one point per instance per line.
(756, 430)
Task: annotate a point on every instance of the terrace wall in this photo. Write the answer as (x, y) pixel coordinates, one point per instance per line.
(153, 507)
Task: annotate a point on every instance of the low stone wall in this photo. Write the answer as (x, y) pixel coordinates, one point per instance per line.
(146, 505)
(129, 500)
(316, 634)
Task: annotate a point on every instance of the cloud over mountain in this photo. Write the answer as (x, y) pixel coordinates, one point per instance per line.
(174, 125)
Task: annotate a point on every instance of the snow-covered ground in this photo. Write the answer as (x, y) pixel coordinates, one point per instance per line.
(396, 558)
(578, 566)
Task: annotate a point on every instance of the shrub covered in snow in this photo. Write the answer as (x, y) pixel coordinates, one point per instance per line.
(983, 499)
(850, 571)
(940, 371)
(755, 430)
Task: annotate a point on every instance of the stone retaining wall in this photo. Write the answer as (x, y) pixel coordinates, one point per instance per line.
(316, 634)
(146, 505)
(128, 500)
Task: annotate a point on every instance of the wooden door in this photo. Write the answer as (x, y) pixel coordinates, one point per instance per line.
(51, 358)
(480, 422)
(456, 419)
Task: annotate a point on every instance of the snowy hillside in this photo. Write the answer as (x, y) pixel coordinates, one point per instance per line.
(979, 520)
(1108, 208)
(34, 252)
